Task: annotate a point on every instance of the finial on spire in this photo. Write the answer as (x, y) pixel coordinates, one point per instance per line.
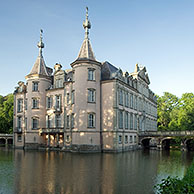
(40, 44)
(86, 24)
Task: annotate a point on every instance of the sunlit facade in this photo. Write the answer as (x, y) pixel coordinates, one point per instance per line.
(91, 107)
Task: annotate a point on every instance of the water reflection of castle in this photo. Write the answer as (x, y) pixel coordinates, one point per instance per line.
(93, 106)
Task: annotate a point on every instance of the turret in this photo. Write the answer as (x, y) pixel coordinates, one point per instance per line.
(38, 81)
(86, 87)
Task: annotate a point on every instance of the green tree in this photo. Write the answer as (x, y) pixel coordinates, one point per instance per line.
(185, 118)
(6, 114)
(166, 107)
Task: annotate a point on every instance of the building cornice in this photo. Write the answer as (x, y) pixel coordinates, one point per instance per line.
(85, 60)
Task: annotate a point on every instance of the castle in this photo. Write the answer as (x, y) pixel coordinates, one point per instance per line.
(92, 107)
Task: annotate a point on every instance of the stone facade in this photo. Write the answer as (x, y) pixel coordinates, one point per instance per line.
(91, 107)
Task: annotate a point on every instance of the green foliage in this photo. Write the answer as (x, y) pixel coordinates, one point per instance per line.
(176, 113)
(166, 104)
(178, 186)
(6, 114)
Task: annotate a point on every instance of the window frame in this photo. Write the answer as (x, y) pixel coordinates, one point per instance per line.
(67, 121)
(19, 138)
(33, 122)
(19, 122)
(35, 87)
(19, 105)
(120, 139)
(72, 120)
(91, 95)
(120, 119)
(91, 74)
(126, 120)
(126, 139)
(58, 120)
(91, 121)
(35, 101)
(73, 97)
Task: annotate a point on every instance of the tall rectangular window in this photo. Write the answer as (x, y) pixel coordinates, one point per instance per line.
(120, 119)
(135, 122)
(49, 101)
(67, 98)
(34, 103)
(26, 104)
(91, 95)
(19, 106)
(91, 74)
(126, 120)
(26, 122)
(72, 120)
(131, 121)
(135, 139)
(34, 86)
(131, 139)
(127, 99)
(73, 97)
(49, 121)
(19, 122)
(135, 103)
(34, 123)
(120, 139)
(58, 120)
(91, 120)
(131, 100)
(126, 139)
(67, 122)
(121, 97)
(58, 101)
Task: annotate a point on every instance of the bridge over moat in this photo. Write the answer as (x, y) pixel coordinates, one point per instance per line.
(166, 139)
(6, 139)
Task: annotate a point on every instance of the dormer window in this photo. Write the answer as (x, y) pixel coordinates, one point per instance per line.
(91, 74)
(59, 83)
(35, 86)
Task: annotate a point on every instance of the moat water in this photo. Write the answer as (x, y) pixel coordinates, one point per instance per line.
(135, 172)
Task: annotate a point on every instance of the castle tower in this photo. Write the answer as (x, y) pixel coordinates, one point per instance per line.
(85, 134)
(38, 81)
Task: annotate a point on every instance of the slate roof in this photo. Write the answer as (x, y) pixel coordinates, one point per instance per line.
(86, 51)
(40, 67)
(108, 71)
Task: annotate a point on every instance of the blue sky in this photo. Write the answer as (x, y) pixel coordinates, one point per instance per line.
(158, 34)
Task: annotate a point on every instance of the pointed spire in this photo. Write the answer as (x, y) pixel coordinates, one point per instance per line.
(86, 24)
(86, 48)
(40, 44)
(40, 66)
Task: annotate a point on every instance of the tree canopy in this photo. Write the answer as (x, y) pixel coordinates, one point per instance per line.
(6, 113)
(176, 113)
